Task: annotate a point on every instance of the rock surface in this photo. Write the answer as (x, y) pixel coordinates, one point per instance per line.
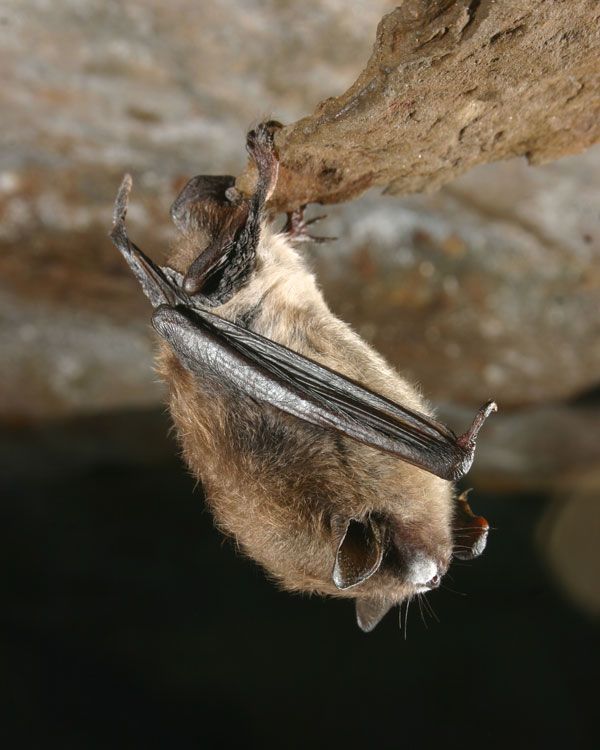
(489, 287)
(165, 90)
(451, 84)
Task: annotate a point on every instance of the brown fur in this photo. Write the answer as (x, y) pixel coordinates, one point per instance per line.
(274, 482)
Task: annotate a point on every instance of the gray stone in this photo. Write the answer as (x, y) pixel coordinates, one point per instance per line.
(489, 288)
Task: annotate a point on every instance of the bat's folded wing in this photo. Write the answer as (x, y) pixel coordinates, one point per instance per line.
(271, 373)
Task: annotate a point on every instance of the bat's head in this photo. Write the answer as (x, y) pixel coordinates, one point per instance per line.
(383, 560)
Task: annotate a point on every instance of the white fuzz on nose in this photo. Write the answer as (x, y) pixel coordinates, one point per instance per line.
(421, 570)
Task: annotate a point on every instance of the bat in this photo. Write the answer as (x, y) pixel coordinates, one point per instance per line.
(323, 464)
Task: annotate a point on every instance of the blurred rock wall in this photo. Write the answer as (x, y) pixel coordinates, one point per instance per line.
(490, 287)
(166, 90)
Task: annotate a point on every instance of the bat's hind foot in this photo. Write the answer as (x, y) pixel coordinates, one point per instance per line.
(296, 227)
(260, 144)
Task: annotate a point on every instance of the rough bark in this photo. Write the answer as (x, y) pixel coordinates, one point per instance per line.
(450, 84)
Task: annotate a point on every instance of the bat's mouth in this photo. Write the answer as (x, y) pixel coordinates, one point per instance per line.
(434, 582)
(430, 585)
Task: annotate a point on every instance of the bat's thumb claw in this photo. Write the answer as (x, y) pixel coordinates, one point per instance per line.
(122, 200)
(469, 438)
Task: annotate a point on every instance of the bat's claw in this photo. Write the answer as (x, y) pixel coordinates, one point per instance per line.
(260, 145)
(158, 286)
(469, 438)
(122, 201)
(467, 441)
(296, 227)
(260, 142)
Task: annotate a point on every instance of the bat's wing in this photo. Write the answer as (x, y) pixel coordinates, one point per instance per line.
(271, 373)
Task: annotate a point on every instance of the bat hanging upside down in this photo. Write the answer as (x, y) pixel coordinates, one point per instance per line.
(323, 464)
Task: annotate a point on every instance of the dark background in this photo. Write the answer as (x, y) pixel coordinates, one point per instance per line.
(128, 622)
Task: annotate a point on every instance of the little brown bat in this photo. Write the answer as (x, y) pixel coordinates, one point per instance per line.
(323, 464)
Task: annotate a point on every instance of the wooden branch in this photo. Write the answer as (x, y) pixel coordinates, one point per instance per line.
(450, 84)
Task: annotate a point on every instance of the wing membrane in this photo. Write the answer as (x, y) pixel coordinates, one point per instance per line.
(272, 373)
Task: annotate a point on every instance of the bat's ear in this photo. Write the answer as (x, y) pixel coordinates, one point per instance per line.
(470, 531)
(359, 548)
(370, 612)
(207, 203)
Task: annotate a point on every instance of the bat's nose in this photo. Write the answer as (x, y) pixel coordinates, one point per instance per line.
(423, 571)
(434, 582)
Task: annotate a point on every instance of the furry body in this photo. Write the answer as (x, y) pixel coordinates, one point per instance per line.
(266, 387)
(273, 481)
